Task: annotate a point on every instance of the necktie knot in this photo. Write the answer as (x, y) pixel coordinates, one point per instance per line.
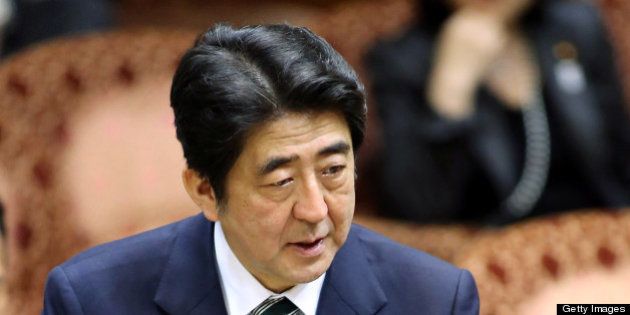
(276, 305)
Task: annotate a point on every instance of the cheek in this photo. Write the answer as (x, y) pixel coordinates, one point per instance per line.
(261, 237)
(267, 217)
(341, 205)
(344, 194)
(341, 214)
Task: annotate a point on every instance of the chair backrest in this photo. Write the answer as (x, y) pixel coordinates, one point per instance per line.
(515, 265)
(87, 149)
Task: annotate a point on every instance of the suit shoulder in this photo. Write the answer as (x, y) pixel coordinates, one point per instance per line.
(410, 42)
(150, 246)
(574, 17)
(401, 56)
(411, 277)
(123, 274)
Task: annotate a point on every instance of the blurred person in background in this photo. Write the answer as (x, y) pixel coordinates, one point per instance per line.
(24, 22)
(6, 11)
(493, 111)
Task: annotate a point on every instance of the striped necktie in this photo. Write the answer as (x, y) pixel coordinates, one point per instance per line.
(276, 305)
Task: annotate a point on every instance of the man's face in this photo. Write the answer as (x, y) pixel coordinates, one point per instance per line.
(290, 198)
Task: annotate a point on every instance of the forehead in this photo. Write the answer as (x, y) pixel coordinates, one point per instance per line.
(297, 133)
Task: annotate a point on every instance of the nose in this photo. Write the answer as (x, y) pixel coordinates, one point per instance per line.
(310, 205)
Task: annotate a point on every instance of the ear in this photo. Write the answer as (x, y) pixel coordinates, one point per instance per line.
(201, 192)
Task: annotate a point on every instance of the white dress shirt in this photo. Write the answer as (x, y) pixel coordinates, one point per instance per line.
(242, 292)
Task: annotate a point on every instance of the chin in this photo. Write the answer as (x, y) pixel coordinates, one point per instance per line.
(314, 270)
(305, 278)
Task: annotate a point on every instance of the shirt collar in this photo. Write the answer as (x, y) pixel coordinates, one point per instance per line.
(242, 292)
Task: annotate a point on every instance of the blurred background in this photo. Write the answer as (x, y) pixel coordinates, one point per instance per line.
(88, 152)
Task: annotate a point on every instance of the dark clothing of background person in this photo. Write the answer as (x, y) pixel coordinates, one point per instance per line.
(436, 170)
(36, 20)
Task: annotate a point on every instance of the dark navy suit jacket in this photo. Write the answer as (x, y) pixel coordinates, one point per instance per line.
(172, 270)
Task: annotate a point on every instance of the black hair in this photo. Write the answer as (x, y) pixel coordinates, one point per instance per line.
(235, 79)
(433, 13)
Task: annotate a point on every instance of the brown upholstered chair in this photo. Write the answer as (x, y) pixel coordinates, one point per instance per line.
(578, 257)
(87, 149)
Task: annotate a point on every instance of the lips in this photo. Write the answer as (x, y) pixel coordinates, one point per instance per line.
(309, 244)
(309, 248)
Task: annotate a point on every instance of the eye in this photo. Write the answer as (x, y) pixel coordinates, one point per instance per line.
(283, 182)
(333, 170)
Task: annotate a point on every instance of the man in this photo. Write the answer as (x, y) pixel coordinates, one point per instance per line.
(270, 119)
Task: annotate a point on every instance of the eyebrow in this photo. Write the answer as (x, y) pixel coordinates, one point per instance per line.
(274, 163)
(340, 147)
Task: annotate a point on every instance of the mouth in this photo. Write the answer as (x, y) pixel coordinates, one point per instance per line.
(309, 248)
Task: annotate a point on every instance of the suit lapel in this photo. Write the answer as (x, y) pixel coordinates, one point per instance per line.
(350, 286)
(190, 282)
(578, 119)
(492, 145)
